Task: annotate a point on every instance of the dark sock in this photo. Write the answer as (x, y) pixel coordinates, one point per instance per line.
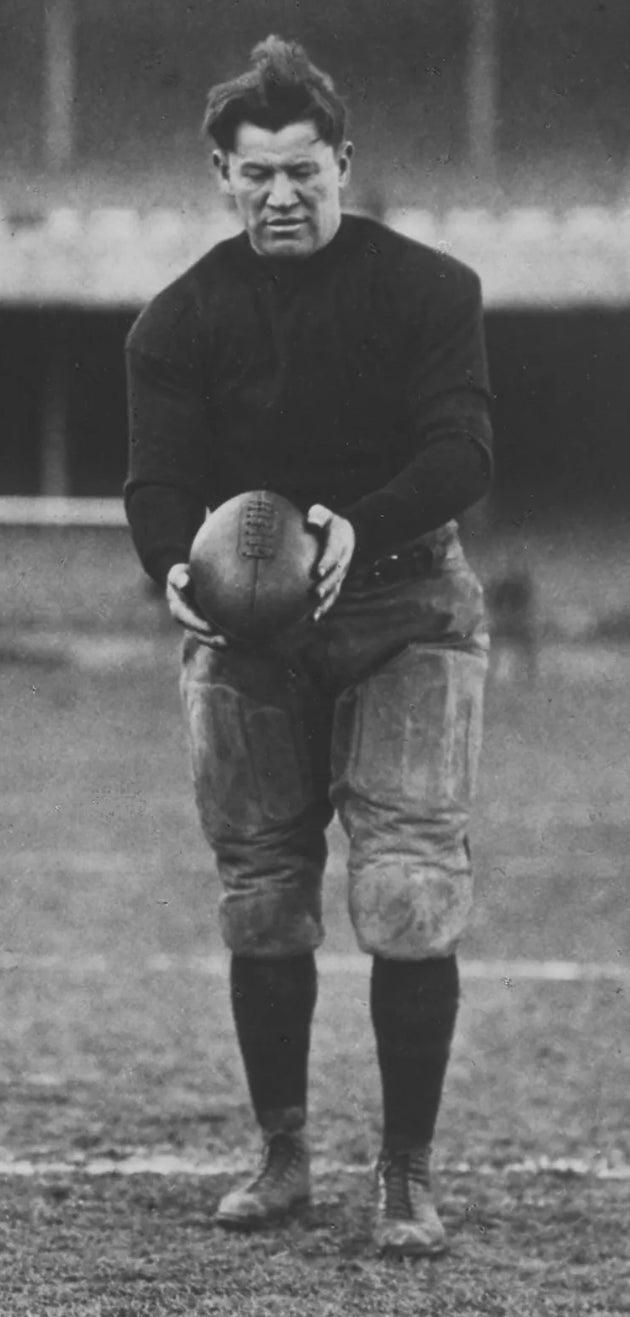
(414, 1006)
(273, 1003)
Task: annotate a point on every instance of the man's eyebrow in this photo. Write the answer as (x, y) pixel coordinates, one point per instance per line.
(247, 160)
(295, 162)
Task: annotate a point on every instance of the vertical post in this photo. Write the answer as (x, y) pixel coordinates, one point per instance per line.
(58, 152)
(482, 92)
(481, 135)
(59, 83)
(54, 476)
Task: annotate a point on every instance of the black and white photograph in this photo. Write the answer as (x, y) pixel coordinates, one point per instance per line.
(315, 658)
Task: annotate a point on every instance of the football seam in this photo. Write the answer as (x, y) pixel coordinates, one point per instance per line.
(254, 584)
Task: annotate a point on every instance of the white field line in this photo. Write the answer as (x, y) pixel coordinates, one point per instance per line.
(170, 1164)
(45, 511)
(506, 972)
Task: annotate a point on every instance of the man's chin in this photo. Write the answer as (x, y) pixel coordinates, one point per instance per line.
(278, 243)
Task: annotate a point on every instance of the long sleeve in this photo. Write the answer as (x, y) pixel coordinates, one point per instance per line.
(448, 398)
(165, 490)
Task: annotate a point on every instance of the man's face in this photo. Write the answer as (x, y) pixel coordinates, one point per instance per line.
(286, 187)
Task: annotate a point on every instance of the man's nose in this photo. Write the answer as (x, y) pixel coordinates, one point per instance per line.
(282, 194)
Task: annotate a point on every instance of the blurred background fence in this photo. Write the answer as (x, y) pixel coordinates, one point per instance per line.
(494, 129)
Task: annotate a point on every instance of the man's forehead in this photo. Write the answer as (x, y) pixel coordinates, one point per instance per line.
(293, 141)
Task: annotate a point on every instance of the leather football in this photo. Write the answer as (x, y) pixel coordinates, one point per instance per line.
(252, 566)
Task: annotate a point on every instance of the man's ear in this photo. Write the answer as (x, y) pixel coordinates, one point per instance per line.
(344, 162)
(221, 164)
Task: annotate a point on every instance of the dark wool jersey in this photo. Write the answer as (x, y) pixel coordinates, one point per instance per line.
(355, 378)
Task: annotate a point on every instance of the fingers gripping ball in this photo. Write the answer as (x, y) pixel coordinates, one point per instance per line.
(252, 566)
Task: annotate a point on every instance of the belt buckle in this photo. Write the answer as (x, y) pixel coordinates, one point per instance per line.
(390, 569)
(400, 565)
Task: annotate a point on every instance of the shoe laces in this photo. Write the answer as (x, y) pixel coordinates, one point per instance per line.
(282, 1154)
(399, 1173)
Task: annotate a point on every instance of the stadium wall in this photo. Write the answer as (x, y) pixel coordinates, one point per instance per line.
(87, 238)
(137, 74)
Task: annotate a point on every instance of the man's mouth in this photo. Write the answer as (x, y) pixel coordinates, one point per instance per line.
(285, 227)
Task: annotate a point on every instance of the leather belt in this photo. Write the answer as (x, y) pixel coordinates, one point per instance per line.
(401, 564)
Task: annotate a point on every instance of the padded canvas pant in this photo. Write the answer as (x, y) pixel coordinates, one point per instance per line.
(376, 712)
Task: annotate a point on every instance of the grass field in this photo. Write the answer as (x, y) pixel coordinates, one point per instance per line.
(124, 1108)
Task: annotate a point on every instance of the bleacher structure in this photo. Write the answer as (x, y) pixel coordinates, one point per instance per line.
(112, 257)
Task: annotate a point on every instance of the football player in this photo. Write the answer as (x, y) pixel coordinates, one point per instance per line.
(327, 358)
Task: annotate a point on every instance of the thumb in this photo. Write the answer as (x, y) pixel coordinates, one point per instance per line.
(179, 576)
(318, 515)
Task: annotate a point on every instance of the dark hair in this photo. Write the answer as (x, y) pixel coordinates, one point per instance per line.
(282, 87)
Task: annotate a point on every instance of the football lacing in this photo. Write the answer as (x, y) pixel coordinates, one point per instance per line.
(258, 529)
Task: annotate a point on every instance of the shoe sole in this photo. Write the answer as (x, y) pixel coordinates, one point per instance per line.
(248, 1224)
(412, 1250)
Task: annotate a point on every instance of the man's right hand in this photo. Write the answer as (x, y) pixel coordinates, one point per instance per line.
(181, 603)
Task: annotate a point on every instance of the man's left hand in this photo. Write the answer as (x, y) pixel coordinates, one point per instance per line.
(338, 547)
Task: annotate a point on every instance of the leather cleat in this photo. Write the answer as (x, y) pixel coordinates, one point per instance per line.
(407, 1222)
(279, 1191)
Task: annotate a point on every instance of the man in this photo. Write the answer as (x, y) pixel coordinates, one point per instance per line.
(335, 362)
